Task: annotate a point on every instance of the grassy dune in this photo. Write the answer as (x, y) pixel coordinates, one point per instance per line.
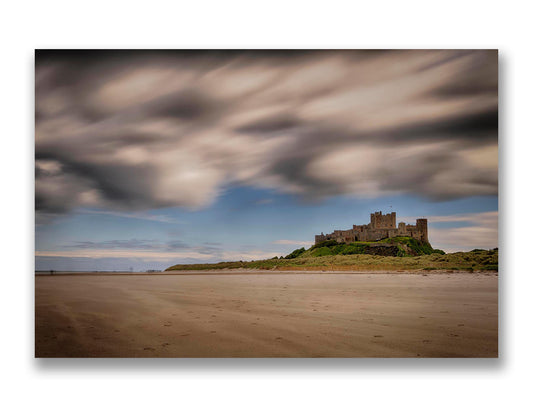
(476, 260)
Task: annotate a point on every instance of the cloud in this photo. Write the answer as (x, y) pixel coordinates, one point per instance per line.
(133, 254)
(294, 242)
(135, 248)
(106, 258)
(263, 201)
(478, 231)
(113, 244)
(133, 215)
(133, 131)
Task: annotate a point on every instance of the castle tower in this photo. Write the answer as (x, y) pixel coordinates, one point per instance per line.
(380, 221)
(422, 227)
(374, 219)
(320, 238)
(402, 230)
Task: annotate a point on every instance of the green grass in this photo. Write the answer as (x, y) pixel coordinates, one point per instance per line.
(319, 259)
(295, 253)
(407, 247)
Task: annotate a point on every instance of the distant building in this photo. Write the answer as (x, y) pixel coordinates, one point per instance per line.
(380, 227)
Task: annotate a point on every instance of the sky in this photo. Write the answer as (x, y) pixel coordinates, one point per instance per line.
(145, 159)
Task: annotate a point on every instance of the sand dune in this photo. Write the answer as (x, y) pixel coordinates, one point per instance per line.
(267, 315)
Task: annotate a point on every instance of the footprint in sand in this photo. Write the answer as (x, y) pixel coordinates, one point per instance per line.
(378, 336)
(167, 325)
(279, 337)
(213, 332)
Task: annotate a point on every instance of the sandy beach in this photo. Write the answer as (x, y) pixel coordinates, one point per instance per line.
(267, 314)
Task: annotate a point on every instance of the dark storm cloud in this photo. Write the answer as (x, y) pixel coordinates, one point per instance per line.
(475, 128)
(146, 129)
(120, 184)
(484, 122)
(270, 125)
(187, 105)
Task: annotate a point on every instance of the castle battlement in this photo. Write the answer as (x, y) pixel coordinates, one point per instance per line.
(381, 226)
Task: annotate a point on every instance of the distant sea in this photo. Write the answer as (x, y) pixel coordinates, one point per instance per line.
(48, 272)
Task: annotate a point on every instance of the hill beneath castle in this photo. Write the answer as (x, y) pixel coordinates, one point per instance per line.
(399, 253)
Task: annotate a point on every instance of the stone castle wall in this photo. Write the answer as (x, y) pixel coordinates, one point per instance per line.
(380, 227)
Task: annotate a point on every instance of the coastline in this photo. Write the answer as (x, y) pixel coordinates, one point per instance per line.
(287, 271)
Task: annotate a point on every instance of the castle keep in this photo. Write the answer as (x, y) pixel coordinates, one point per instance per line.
(380, 227)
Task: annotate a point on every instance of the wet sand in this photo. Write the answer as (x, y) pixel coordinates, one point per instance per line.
(267, 315)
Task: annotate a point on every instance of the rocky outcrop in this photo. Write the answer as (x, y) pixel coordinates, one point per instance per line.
(385, 250)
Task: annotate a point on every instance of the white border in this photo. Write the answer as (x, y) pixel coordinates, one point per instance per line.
(273, 24)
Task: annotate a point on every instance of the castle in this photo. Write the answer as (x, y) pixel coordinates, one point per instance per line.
(380, 227)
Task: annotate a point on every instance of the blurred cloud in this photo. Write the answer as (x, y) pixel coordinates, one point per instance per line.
(264, 201)
(138, 130)
(112, 255)
(133, 215)
(477, 231)
(294, 242)
(145, 246)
